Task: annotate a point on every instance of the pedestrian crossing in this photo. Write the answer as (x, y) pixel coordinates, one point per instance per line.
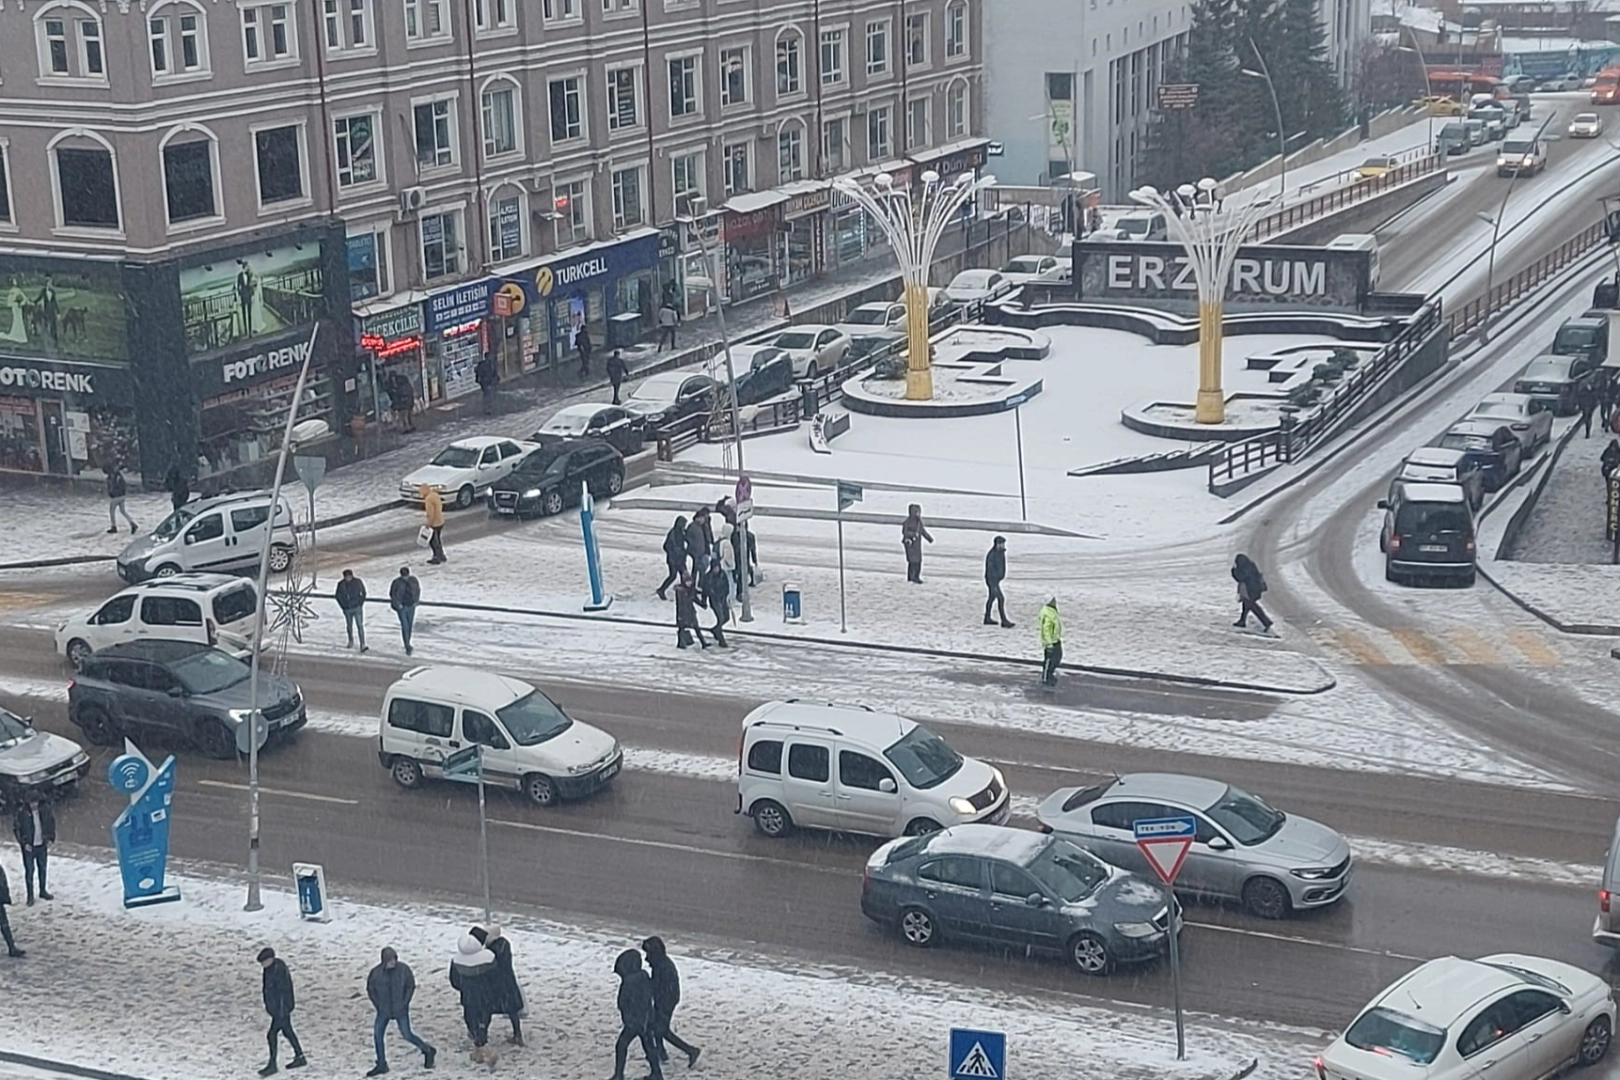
(15, 600)
(1367, 646)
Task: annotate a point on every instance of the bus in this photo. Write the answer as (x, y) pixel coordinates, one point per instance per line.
(1606, 91)
(1463, 85)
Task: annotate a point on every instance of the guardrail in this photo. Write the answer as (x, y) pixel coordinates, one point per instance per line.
(1470, 316)
(1303, 213)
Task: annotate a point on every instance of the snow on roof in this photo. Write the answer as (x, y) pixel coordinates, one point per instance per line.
(1019, 846)
(876, 728)
(1438, 493)
(1437, 456)
(755, 200)
(483, 689)
(478, 442)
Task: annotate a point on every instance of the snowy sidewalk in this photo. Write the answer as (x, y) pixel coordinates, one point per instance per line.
(172, 992)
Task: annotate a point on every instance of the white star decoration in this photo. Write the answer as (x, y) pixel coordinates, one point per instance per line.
(293, 611)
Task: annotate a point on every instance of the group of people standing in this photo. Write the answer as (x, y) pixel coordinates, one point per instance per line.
(706, 563)
(33, 824)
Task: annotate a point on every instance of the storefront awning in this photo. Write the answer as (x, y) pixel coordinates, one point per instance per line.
(751, 201)
(385, 304)
(950, 149)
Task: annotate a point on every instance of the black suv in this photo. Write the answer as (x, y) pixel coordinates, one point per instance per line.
(179, 689)
(550, 477)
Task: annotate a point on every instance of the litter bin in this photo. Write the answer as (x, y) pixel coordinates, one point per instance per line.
(792, 603)
(810, 403)
(623, 329)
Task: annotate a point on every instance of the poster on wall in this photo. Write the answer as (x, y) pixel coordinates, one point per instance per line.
(256, 295)
(62, 313)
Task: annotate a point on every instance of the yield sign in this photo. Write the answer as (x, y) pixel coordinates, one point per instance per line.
(1164, 842)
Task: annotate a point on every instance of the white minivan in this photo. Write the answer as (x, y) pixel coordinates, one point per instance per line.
(214, 609)
(529, 743)
(225, 533)
(851, 769)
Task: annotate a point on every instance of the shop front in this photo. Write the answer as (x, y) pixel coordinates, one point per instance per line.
(456, 334)
(851, 236)
(753, 244)
(955, 158)
(610, 288)
(245, 394)
(390, 346)
(804, 218)
(701, 242)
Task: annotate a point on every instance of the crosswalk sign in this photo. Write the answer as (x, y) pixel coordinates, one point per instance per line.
(978, 1055)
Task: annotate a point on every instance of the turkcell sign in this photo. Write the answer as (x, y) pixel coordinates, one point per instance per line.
(271, 360)
(1263, 275)
(570, 273)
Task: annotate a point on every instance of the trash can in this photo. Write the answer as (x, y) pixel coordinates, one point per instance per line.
(623, 329)
(809, 401)
(792, 603)
(311, 880)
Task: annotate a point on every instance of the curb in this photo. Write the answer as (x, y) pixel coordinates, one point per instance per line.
(1243, 1073)
(62, 1067)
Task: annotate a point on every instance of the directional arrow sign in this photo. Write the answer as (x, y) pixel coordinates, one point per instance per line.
(462, 762)
(1164, 842)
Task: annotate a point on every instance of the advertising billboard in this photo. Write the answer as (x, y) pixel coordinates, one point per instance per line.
(62, 311)
(254, 295)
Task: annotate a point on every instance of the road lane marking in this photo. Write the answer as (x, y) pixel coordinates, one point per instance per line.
(667, 845)
(1360, 647)
(280, 791)
(1423, 648)
(1294, 939)
(1474, 646)
(1535, 650)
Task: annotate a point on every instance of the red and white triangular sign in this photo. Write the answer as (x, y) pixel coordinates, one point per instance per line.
(1166, 854)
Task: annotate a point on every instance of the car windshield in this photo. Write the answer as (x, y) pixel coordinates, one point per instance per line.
(533, 718)
(868, 316)
(1575, 337)
(763, 358)
(1069, 872)
(1517, 147)
(1084, 796)
(457, 457)
(1514, 409)
(13, 728)
(568, 424)
(794, 339)
(540, 462)
(972, 279)
(1134, 225)
(1375, 163)
(1022, 266)
(1466, 442)
(209, 671)
(1385, 1031)
(924, 758)
(171, 526)
(1247, 819)
(1586, 118)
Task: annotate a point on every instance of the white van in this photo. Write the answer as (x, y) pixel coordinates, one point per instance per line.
(221, 534)
(214, 609)
(529, 743)
(1360, 242)
(854, 770)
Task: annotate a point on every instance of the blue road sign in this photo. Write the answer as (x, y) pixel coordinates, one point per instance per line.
(978, 1055)
(848, 494)
(1164, 828)
(462, 764)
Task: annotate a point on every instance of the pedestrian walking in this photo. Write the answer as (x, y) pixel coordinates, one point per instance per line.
(34, 825)
(390, 986)
(404, 593)
(674, 555)
(1251, 585)
(178, 487)
(472, 971)
(995, 571)
(617, 369)
(402, 396)
(686, 622)
(582, 342)
(636, 1017)
(351, 600)
(116, 491)
(668, 319)
(1586, 398)
(278, 1002)
(506, 998)
(433, 518)
(912, 534)
(1608, 395)
(5, 923)
(666, 994)
(488, 377)
(699, 542)
(1610, 459)
(717, 595)
(1051, 642)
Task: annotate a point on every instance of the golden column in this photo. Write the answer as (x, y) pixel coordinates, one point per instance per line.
(913, 224)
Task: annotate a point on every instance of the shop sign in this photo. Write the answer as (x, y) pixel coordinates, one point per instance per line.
(809, 202)
(383, 348)
(464, 303)
(261, 294)
(510, 224)
(967, 161)
(15, 376)
(592, 269)
(399, 323)
(751, 224)
(669, 242)
(269, 362)
(700, 231)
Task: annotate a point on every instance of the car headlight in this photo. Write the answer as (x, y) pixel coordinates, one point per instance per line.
(578, 770)
(961, 805)
(1313, 873)
(532, 493)
(239, 716)
(1136, 929)
(35, 777)
(81, 758)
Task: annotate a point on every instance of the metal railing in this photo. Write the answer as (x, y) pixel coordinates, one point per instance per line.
(1470, 316)
(1303, 213)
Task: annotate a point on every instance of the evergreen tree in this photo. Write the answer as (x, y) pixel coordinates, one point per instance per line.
(1295, 45)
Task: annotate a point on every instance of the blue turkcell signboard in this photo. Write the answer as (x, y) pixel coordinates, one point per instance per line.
(141, 832)
(978, 1055)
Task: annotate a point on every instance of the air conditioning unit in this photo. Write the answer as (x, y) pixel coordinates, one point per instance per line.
(411, 200)
(685, 204)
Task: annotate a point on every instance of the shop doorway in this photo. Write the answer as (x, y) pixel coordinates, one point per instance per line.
(56, 458)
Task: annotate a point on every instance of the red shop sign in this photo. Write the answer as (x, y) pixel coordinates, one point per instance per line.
(752, 224)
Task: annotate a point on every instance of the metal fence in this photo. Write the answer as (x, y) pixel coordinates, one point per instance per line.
(1470, 316)
(1303, 213)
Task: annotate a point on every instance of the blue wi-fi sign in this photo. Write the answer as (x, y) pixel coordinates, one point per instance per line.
(128, 773)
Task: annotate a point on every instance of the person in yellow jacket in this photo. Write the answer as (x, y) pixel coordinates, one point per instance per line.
(1051, 642)
(433, 510)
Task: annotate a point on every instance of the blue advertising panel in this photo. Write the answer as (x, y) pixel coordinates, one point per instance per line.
(141, 833)
(454, 307)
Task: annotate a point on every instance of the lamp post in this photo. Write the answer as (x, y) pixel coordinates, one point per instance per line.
(1282, 136)
(913, 226)
(1428, 87)
(1496, 230)
(1212, 232)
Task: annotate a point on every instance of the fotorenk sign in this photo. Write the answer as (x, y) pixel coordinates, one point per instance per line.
(1263, 275)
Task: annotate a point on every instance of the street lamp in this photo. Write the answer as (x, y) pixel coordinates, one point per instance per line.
(913, 226)
(1282, 135)
(1496, 229)
(1428, 87)
(1212, 231)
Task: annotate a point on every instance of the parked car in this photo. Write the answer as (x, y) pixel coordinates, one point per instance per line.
(769, 374)
(1477, 132)
(1274, 863)
(815, 348)
(1552, 382)
(1452, 139)
(1490, 446)
(1375, 167)
(978, 287)
(1428, 533)
(463, 471)
(1017, 889)
(1586, 335)
(1530, 423)
(875, 317)
(223, 534)
(1606, 928)
(1521, 157)
(613, 424)
(1567, 81)
(670, 397)
(549, 478)
(1586, 125)
(1493, 117)
(530, 744)
(36, 762)
(1139, 225)
(893, 777)
(1507, 1017)
(177, 689)
(211, 609)
(1022, 269)
(1438, 465)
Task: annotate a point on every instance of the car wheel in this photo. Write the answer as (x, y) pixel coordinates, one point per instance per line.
(464, 497)
(281, 557)
(78, 651)
(917, 927)
(541, 789)
(214, 739)
(1265, 898)
(1383, 542)
(772, 819)
(615, 481)
(97, 726)
(407, 773)
(921, 826)
(166, 570)
(1595, 1041)
(551, 503)
(1089, 953)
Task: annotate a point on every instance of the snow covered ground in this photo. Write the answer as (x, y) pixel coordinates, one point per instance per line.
(1308, 181)
(190, 966)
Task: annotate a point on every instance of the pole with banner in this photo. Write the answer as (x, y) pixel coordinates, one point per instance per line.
(848, 495)
(311, 471)
(468, 764)
(1164, 842)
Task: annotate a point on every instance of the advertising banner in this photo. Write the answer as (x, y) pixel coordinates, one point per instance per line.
(141, 833)
(75, 311)
(1263, 275)
(260, 294)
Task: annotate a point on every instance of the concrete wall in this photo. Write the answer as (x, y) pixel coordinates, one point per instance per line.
(1383, 124)
(1364, 216)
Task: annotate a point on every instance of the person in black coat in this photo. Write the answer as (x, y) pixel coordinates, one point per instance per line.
(5, 923)
(488, 377)
(116, 491)
(666, 991)
(1586, 399)
(617, 369)
(635, 1014)
(472, 975)
(717, 595)
(674, 555)
(390, 986)
(506, 995)
(34, 826)
(1610, 459)
(351, 600)
(178, 487)
(995, 570)
(686, 622)
(699, 542)
(1251, 585)
(278, 1002)
(582, 342)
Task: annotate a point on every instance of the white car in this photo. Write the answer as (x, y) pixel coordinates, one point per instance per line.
(1027, 268)
(978, 286)
(875, 318)
(214, 609)
(1533, 426)
(1567, 81)
(463, 471)
(1503, 1017)
(36, 761)
(815, 349)
(1586, 125)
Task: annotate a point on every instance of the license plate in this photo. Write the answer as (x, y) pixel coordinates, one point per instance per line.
(65, 778)
(1436, 549)
(610, 772)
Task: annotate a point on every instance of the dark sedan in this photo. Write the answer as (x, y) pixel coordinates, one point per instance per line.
(1553, 382)
(1018, 889)
(613, 424)
(1491, 447)
(769, 374)
(550, 478)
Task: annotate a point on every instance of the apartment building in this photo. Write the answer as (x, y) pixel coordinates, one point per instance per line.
(188, 190)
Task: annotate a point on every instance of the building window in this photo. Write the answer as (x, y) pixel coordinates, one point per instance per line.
(506, 226)
(835, 144)
(683, 86)
(787, 64)
(493, 15)
(178, 43)
(917, 39)
(627, 208)
(956, 28)
(877, 47)
(5, 186)
(739, 178)
(567, 112)
(347, 23)
(281, 166)
(624, 99)
(425, 20)
(879, 133)
(917, 124)
(832, 57)
(733, 77)
(500, 120)
(57, 47)
(435, 134)
(559, 10)
(572, 203)
(267, 34)
(70, 48)
(610, 6)
(368, 264)
(356, 149)
(188, 180)
(686, 174)
(88, 189)
(90, 47)
(790, 153)
(441, 245)
(956, 110)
